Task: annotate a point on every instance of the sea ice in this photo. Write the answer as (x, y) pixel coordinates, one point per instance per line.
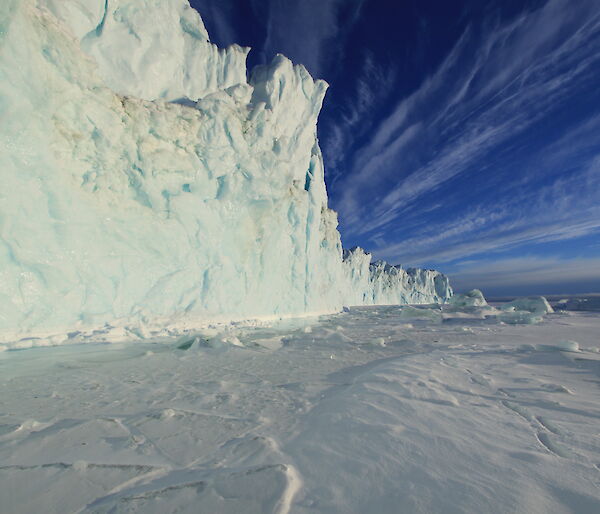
(322, 423)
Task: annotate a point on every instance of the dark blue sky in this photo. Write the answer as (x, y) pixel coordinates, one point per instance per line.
(458, 135)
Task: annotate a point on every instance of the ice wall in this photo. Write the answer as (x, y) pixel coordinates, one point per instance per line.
(144, 179)
(379, 283)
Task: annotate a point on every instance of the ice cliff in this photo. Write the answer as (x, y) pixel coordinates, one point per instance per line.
(145, 179)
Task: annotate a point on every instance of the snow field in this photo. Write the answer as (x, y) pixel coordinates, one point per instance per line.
(361, 411)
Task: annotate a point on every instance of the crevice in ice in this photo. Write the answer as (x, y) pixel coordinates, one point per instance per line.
(186, 102)
(167, 196)
(189, 29)
(100, 27)
(221, 188)
(134, 181)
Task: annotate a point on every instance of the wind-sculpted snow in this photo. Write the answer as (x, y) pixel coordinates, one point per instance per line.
(119, 207)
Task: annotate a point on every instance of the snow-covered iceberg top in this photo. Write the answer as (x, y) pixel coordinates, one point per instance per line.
(146, 182)
(534, 304)
(151, 49)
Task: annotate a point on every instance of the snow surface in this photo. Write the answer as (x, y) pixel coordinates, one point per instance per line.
(148, 184)
(420, 409)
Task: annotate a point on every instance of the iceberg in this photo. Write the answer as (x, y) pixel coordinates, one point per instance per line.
(526, 310)
(473, 298)
(147, 181)
(533, 304)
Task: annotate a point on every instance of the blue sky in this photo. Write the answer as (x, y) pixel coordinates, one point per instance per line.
(458, 135)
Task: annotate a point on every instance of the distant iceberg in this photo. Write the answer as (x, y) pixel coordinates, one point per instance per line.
(147, 181)
(473, 298)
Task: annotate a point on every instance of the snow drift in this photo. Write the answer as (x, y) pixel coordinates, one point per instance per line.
(146, 179)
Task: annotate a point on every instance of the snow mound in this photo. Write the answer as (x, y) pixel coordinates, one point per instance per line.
(146, 182)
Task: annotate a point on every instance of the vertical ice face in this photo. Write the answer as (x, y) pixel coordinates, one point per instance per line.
(119, 205)
(379, 283)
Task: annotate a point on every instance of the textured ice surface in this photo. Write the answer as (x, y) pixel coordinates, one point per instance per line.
(147, 183)
(354, 413)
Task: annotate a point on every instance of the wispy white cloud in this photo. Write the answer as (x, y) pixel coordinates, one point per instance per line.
(495, 83)
(405, 113)
(551, 274)
(355, 117)
(567, 208)
(512, 78)
(310, 32)
(500, 112)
